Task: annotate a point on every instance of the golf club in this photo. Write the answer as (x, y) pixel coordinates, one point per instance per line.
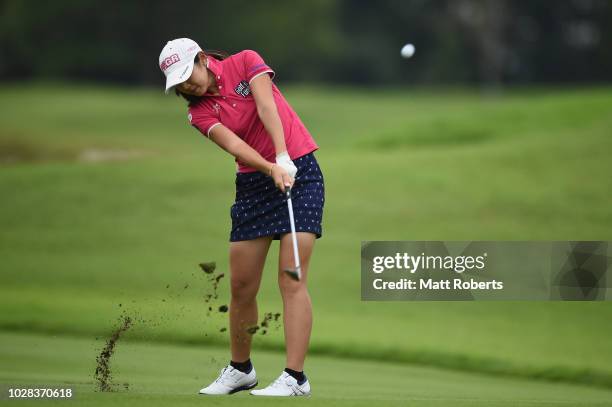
(295, 273)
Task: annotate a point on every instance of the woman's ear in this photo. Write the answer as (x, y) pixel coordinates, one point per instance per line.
(203, 58)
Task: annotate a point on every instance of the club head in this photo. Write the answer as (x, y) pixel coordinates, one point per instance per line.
(294, 274)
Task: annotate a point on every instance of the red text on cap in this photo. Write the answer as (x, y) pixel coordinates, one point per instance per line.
(172, 59)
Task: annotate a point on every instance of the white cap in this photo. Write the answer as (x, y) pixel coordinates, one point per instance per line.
(176, 60)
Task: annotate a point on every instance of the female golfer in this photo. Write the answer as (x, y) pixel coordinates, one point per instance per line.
(233, 102)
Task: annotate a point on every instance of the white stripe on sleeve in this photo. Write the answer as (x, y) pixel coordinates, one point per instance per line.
(261, 73)
(210, 128)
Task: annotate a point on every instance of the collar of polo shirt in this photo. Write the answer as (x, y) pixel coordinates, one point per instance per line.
(215, 66)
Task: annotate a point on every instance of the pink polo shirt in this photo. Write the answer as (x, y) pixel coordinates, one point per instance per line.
(235, 108)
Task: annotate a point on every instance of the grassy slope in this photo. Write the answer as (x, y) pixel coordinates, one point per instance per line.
(169, 374)
(80, 238)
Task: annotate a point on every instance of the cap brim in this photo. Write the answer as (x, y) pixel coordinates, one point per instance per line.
(179, 75)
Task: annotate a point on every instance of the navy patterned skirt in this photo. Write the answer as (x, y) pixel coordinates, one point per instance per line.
(260, 208)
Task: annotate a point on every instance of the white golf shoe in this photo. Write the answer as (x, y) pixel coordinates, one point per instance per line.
(230, 381)
(285, 385)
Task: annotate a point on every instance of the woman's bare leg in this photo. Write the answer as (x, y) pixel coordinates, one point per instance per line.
(297, 315)
(247, 259)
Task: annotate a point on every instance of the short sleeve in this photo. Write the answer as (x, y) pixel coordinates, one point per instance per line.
(254, 65)
(202, 121)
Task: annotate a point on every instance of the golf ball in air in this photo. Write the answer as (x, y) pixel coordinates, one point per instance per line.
(407, 50)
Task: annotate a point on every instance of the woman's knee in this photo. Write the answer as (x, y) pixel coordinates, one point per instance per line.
(247, 259)
(243, 290)
(289, 287)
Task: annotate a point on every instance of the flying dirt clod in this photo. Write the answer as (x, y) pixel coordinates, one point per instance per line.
(209, 267)
(103, 375)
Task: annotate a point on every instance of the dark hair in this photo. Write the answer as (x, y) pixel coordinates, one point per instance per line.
(191, 99)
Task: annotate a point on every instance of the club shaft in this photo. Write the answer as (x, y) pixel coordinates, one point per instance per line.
(296, 255)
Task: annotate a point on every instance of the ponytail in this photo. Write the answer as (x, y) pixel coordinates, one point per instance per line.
(220, 55)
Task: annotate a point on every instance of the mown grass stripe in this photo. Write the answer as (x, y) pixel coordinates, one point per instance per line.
(366, 352)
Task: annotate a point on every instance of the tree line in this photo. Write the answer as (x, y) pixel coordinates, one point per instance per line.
(490, 42)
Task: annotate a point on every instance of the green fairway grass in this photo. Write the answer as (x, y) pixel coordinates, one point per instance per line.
(82, 235)
(166, 374)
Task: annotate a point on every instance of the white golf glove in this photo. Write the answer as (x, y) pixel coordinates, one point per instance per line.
(285, 162)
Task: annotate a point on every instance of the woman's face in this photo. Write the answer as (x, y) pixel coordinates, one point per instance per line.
(199, 81)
